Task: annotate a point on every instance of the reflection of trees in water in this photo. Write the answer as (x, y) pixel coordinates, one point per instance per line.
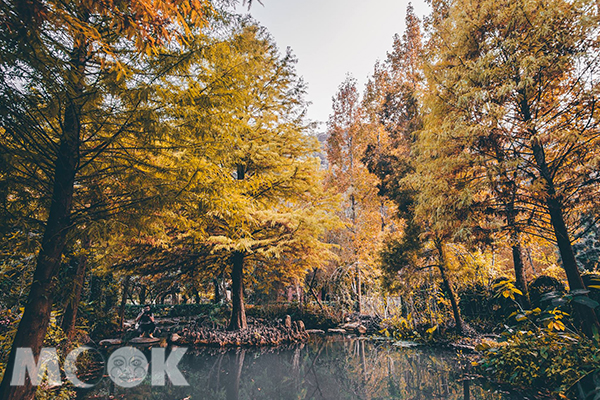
(235, 372)
(359, 369)
(323, 369)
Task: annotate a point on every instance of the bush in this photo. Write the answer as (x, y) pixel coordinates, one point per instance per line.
(540, 359)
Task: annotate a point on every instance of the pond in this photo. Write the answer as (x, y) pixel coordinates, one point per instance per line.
(324, 368)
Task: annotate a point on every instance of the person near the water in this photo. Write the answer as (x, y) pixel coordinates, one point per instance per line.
(146, 322)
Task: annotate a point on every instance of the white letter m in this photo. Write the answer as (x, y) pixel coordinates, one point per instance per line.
(24, 363)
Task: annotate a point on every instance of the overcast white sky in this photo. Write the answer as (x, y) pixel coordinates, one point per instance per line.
(332, 38)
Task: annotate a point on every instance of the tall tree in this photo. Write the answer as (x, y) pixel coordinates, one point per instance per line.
(348, 136)
(56, 114)
(523, 79)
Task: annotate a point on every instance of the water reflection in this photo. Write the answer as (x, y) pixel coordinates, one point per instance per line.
(325, 368)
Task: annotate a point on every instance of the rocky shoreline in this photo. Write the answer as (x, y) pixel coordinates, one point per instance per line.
(257, 334)
(260, 332)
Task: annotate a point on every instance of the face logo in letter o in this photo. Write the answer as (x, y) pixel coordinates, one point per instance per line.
(127, 367)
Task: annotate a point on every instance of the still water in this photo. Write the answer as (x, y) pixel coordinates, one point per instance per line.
(325, 368)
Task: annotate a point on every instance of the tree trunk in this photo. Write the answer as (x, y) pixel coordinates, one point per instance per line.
(126, 284)
(358, 289)
(70, 314)
(238, 312)
(517, 253)
(218, 295)
(587, 316)
(519, 267)
(448, 287)
(34, 323)
(142, 295)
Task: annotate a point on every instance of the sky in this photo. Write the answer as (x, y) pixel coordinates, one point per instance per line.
(331, 38)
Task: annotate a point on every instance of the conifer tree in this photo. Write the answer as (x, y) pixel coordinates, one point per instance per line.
(515, 84)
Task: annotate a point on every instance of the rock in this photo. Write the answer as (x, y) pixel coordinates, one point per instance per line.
(288, 322)
(175, 338)
(338, 331)
(315, 331)
(361, 330)
(110, 342)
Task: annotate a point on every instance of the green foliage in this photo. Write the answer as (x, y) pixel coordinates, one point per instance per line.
(542, 349)
(540, 359)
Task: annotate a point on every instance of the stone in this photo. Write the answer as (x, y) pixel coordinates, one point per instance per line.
(338, 331)
(175, 338)
(111, 342)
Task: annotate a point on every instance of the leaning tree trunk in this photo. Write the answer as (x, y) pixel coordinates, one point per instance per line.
(448, 288)
(34, 322)
(587, 316)
(238, 312)
(70, 314)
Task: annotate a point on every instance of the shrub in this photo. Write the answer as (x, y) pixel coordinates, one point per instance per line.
(541, 359)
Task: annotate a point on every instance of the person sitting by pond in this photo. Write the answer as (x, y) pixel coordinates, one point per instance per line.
(146, 322)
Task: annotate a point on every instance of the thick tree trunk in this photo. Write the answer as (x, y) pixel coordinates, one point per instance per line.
(34, 323)
(238, 312)
(126, 284)
(587, 316)
(448, 288)
(70, 313)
